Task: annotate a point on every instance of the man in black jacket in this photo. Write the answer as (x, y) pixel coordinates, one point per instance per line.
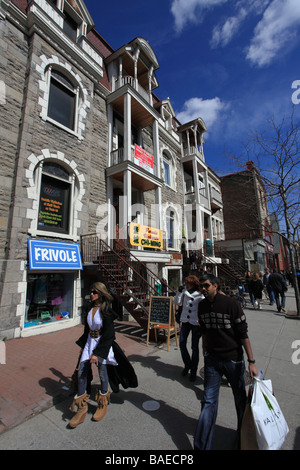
(279, 287)
(224, 334)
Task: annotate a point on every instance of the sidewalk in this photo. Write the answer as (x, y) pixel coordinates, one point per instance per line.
(34, 383)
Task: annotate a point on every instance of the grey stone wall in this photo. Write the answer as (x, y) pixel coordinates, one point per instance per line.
(25, 138)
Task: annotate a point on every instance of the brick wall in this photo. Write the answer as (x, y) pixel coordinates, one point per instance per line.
(240, 206)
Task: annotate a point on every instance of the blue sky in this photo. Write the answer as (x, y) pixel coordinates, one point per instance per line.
(231, 62)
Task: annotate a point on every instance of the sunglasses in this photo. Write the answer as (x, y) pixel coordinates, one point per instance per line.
(205, 286)
(94, 292)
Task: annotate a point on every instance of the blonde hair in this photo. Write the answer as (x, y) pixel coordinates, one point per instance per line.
(106, 297)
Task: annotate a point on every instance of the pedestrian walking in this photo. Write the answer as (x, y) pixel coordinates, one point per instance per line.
(224, 338)
(268, 286)
(99, 348)
(279, 287)
(256, 288)
(188, 298)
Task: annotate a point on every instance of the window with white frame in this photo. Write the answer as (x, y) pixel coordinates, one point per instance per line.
(168, 169)
(63, 99)
(56, 196)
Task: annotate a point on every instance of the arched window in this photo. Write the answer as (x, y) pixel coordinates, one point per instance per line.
(63, 99)
(55, 198)
(56, 189)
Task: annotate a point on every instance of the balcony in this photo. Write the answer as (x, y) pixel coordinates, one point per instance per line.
(215, 199)
(144, 176)
(142, 112)
(190, 196)
(192, 150)
(129, 80)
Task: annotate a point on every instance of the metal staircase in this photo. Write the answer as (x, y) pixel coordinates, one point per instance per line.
(129, 280)
(230, 272)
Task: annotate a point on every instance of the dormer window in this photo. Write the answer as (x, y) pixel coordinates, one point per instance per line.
(70, 26)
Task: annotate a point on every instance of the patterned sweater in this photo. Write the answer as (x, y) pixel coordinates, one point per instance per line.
(223, 323)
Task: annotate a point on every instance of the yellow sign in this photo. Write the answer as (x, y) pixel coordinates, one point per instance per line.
(143, 235)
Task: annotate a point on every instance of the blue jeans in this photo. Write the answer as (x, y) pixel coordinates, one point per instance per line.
(83, 372)
(279, 304)
(270, 293)
(213, 371)
(190, 362)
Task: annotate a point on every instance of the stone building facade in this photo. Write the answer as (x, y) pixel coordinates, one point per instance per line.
(87, 147)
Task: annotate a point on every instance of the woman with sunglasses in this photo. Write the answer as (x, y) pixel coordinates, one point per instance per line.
(96, 342)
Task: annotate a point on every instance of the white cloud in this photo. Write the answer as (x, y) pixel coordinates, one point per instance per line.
(224, 32)
(209, 110)
(277, 27)
(185, 11)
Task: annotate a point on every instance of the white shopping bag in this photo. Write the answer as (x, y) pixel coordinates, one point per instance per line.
(270, 424)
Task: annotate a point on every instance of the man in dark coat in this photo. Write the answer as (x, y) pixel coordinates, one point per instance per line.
(279, 288)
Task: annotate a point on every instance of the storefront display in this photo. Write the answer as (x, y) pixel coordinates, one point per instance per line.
(50, 281)
(49, 298)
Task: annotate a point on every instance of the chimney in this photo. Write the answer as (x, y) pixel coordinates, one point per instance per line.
(250, 165)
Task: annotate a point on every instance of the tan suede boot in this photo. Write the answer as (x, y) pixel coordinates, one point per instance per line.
(103, 402)
(82, 407)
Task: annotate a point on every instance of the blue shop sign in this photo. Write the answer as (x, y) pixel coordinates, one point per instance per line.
(46, 255)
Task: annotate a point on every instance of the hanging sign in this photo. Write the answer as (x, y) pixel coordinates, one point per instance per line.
(47, 255)
(143, 235)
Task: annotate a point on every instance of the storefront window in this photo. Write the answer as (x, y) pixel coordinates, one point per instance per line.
(54, 208)
(49, 298)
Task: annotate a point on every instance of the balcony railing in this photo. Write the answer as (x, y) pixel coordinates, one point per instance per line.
(129, 80)
(216, 196)
(190, 198)
(118, 156)
(192, 150)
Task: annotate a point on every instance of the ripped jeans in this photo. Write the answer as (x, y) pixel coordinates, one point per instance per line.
(214, 369)
(83, 373)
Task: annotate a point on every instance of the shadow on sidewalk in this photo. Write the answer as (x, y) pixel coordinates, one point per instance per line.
(177, 425)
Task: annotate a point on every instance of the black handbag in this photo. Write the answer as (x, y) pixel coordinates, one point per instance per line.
(178, 314)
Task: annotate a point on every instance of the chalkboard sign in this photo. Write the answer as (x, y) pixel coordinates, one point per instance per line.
(162, 317)
(160, 309)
